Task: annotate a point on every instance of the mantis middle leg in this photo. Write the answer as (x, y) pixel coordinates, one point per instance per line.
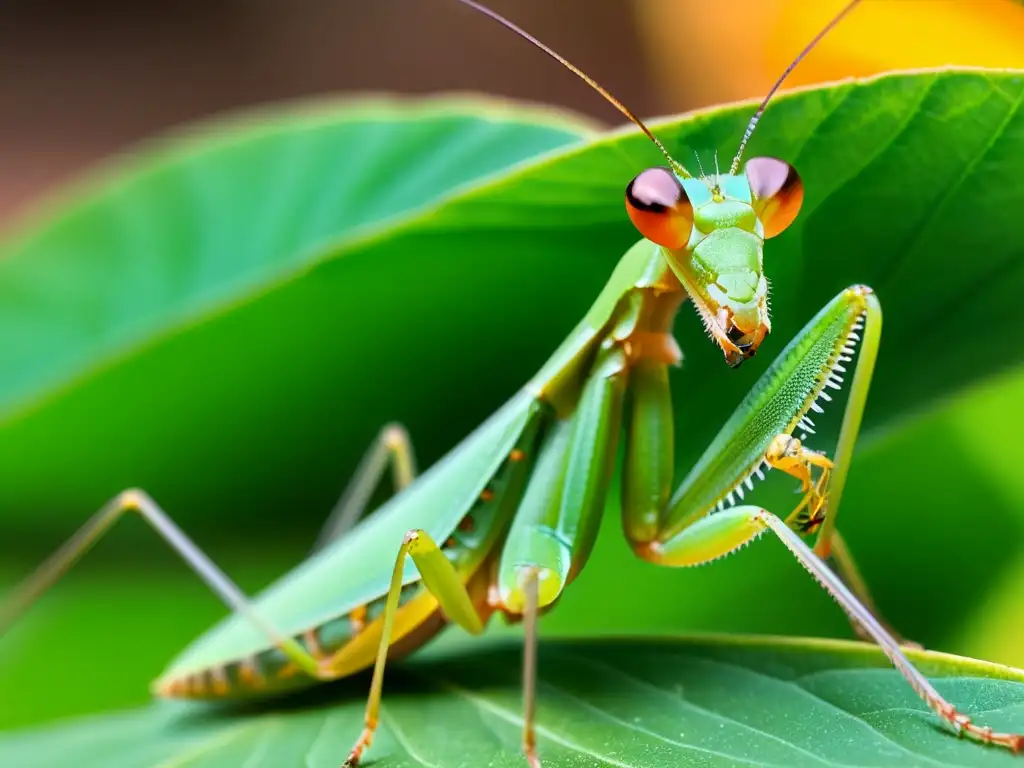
(391, 447)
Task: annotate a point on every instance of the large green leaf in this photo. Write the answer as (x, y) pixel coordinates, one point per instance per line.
(220, 326)
(264, 401)
(724, 702)
(100, 293)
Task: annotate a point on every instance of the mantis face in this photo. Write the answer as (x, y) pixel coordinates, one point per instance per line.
(712, 232)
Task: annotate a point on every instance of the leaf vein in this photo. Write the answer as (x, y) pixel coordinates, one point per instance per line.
(512, 717)
(917, 234)
(830, 705)
(584, 704)
(684, 702)
(403, 739)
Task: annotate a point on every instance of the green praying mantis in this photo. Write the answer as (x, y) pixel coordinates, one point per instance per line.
(507, 519)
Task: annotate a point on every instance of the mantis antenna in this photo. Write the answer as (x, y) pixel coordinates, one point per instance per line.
(764, 104)
(673, 163)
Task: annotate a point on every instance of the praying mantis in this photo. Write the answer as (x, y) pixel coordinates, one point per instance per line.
(507, 519)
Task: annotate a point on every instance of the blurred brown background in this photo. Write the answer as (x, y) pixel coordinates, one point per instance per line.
(79, 80)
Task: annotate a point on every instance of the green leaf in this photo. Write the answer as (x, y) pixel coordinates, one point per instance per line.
(262, 402)
(139, 310)
(101, 292)
(714, 702)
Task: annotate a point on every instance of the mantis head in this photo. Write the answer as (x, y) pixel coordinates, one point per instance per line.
(711, 231)
(712, 228)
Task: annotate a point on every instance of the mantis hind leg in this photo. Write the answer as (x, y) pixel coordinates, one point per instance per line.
(443, 581)
(391, 447)
(36, 585)
(717, 535)
(846, 568)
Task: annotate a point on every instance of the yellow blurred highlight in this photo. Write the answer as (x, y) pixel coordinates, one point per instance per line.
(994, 630)
(713, 52)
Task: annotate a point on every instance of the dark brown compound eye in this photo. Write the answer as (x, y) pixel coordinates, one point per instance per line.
(658, 206)
(777, 190)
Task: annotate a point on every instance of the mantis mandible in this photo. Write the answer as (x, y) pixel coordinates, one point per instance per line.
(507, 519)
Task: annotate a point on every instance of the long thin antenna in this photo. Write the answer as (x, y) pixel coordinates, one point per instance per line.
(764, 104)
(700, 165)
(676, 166)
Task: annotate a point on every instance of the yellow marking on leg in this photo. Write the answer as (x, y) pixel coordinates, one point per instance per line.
(517, 454)
(219, 681)
(199, 683)
(487, 495)
(175, 687)
(313, 644)
(249, 675)
(788, 454)
(288, 671)
(358, 619)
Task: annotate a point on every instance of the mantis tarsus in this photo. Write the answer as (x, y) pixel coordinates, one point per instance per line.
(507, 519)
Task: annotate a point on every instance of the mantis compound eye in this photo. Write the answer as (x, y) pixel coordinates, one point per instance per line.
(658, 206)
(777, 190)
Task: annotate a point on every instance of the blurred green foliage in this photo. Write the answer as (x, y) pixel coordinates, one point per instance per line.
(227, 322)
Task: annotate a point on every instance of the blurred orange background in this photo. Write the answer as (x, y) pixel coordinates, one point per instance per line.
(705, 53)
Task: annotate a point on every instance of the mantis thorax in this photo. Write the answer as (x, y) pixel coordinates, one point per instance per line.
(722, 267)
